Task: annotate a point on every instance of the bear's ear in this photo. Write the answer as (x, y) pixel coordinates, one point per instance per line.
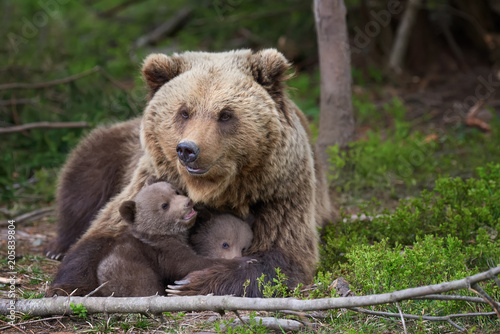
(127, 211)
(268, 68)
(158, 69)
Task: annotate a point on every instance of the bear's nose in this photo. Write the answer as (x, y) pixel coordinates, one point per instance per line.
(187, 151)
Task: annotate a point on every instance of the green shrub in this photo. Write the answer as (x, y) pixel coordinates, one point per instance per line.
(467, 210)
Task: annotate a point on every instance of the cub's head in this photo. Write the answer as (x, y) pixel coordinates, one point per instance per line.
(214, 117)
(223, 236)
(159, 209)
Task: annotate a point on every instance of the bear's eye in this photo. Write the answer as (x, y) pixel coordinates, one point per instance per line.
(243, 250)
(225, 245)
(177, 192)
(183, 111)
(225, 116)
(164, 206)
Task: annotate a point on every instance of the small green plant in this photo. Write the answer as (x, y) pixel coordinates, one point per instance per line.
(79, 310)
(142, 323)
(26, 294)
(175, 317)
(245, 286)
(275, 288)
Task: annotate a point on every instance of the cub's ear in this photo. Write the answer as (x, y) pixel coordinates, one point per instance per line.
(268, 68)
(127, 211)
(158, 69)
(152, 179)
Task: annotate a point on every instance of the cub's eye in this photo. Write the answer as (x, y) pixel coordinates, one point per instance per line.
(243, 250)
(225, 116)
(225, 245)
(164, 206)
(177, 192)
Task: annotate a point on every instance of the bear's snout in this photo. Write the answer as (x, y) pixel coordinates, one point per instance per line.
(187, 151)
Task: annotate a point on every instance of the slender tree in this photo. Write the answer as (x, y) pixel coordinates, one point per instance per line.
(336, 116)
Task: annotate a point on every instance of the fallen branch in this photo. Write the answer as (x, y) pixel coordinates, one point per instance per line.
(159, 304)
(18, 85)
(44, 125)
(271, 323)
(17, 101)
(113, 10)
(472, 120)
(446, 318)
(165, 29)
(29, 216)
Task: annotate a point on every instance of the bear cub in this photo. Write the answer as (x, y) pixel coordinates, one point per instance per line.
(221, 235)
(154, 252)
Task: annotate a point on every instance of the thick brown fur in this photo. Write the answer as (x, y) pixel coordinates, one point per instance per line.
(80, 194)
(153, 251)
(221, 236)
(254, 150)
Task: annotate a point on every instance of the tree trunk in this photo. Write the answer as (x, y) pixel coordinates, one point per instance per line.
(336, 120)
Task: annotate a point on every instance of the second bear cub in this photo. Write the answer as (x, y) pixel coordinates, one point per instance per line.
(154, 252)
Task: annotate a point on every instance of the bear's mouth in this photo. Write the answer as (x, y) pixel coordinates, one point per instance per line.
(196, 171)
(190, 215)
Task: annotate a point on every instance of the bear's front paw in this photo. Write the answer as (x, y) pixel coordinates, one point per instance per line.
(191, 285)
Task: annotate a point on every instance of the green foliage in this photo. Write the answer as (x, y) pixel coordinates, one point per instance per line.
(323, 280)
(305, 91)
(274, 288)
(466, 209)
(26, 294)
(400, 162)
(382, 268)
(79, 310)
(142, 323)
(365, 110)
(175, 317)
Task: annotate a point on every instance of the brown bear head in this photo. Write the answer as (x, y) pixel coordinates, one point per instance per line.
(158, 210)
(214, 119)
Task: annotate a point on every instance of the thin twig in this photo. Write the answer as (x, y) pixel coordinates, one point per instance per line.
(96, 289)
(452, 297)
(472, 120)
(242, 321)
(165, 29)
(477, 289)
(44, 125)
(18, 85)
(423, 317)
(33, 321)
(9, 325)
(402, 317)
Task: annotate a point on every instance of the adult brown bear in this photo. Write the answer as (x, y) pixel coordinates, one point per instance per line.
(221, 127)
